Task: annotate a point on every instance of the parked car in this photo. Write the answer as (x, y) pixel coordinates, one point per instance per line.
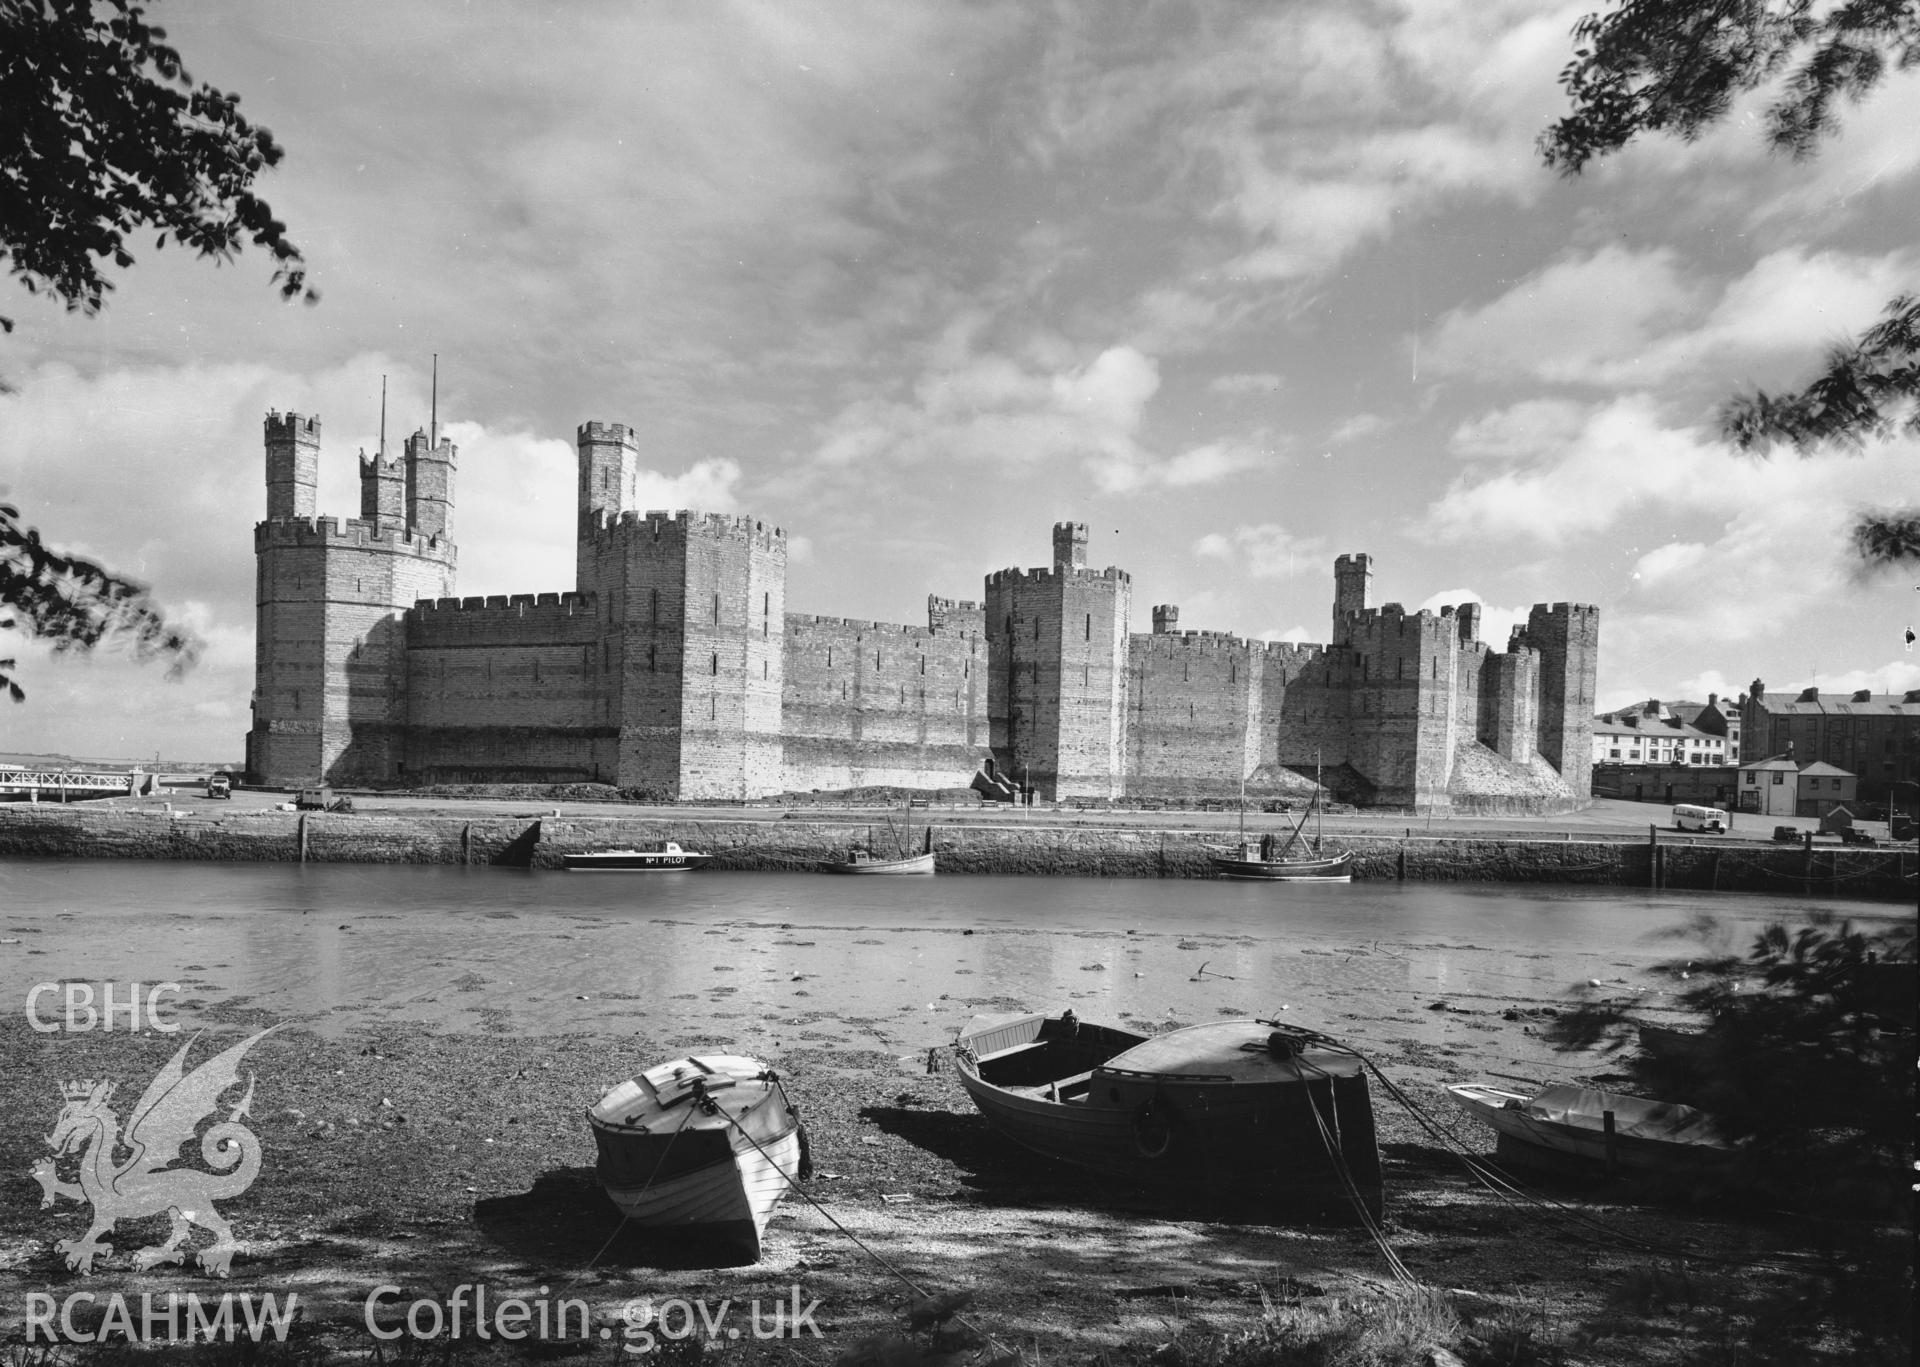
(1786, 835)
(1850, 836)
(219, 785)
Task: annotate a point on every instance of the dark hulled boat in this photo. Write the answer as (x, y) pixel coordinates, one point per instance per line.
(1273, 1117)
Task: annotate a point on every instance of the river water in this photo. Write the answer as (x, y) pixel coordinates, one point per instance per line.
(770, 961)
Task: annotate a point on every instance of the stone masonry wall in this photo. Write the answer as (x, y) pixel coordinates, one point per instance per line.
(874, 703)
(1194, 701)
(730, 739)
(504, 689)
(352, 583)
(93, 832)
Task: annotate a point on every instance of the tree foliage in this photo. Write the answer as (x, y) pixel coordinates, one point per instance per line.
(104, 134)
(1677, 66)
(76, 604)
(1659, 66)
(1805, 1055)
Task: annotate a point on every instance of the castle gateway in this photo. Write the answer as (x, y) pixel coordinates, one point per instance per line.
(674, 668)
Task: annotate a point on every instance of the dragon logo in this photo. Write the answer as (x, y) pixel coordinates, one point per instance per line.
(166, 1117)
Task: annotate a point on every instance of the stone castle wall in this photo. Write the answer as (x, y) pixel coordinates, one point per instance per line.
(504, 689)
(875, 703)
(675, 668)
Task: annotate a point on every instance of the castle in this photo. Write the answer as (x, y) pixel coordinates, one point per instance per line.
(674, 667)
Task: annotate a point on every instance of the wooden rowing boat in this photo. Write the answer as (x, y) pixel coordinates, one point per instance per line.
(1570, 1122)
(707, 1143)
(1273, 1118)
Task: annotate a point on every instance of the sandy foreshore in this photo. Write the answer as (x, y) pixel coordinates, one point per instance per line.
(427, 1161)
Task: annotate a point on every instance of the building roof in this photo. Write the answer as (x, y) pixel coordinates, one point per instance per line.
(1636, 726)
(1811, 702)
(1772, 762)
(1819, 768)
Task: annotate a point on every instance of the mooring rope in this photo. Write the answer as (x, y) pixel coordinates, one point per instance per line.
(859, 1243)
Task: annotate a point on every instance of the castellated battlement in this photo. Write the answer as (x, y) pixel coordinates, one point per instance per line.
(618, 432)
(1042, 575)
(502, 621)
(609, 528)
(349, 533)
(798, 622)
(1171, 641)
(291, 426)
(1571, 610)
(1392, 619)
(954, 604)
(518, 604)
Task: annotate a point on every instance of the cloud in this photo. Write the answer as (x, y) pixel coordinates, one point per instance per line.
(1359, 426)
(1585, 319)
(1265, 551)
(1616, 317)
(1767, 538)
(1263, 382)
(1496, 623)
(995, 409)
(1532, 427)
(1622, 457)
(1674, 558)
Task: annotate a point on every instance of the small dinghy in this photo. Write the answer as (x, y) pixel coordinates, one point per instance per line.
(709, 1143)
(1273, 1118)
(1594, 1128)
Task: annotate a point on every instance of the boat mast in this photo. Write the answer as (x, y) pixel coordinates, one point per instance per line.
(1316, 802)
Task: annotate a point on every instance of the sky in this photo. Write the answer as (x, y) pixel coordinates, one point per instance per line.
(1242, 287)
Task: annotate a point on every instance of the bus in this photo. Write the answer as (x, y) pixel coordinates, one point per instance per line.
(1711, 819)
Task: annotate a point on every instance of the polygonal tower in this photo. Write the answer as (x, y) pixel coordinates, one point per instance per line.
(1057, 672)
(1567, 638)
(330, 663)
(692, 610)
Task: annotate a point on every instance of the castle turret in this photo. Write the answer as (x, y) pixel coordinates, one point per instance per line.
(1069, 545)
(609, 459)
(430, 486)
(1352, 575)
(1166, 619)
(293, 465)
(383, 491)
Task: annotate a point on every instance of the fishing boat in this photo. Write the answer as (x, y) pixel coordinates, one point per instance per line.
(1596, 1128)
(709, 1143)
(859, 859)
(862, 861)
(1294, 861)
(1270, 1117)
(667, 857)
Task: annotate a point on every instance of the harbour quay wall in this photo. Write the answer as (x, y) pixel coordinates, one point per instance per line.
(1067, 848)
